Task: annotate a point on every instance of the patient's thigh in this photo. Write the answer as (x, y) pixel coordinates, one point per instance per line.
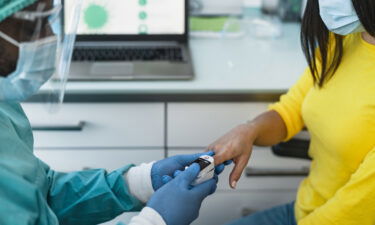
(279, 215)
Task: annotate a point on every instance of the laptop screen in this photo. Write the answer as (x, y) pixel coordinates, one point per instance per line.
(131, 17)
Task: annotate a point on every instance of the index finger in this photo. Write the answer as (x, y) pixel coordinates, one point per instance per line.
(221, 157)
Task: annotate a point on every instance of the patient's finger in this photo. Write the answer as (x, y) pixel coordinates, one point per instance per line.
(237, 171)
(222, 156)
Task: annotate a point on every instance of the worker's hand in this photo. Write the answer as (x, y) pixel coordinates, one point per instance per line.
(164, 170)
(178, 202)
(218, 170)
(236, 145)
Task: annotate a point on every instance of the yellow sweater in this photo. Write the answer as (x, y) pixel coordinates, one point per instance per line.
(340, 117)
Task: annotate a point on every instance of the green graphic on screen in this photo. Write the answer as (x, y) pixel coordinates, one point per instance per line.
(142, 15)
(142, 2)
(128, 17)
(95, 16)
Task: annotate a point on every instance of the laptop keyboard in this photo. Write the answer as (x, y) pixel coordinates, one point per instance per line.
(128, 54)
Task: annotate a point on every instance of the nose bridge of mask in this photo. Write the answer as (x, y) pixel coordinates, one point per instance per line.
(338, 7)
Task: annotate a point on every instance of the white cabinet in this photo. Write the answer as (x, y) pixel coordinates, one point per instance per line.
(95, 126)
(75, 159)
(109, 136)
(199, 124)
(226, 206)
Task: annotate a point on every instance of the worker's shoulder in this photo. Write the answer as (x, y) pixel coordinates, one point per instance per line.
(12, 112)
(14, 123)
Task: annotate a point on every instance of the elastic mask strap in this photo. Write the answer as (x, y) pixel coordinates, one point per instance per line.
(9, 39)
(27, 15)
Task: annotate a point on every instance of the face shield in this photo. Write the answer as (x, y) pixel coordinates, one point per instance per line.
(37, 52)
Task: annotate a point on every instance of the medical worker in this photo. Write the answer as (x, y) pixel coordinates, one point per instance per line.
(335, 100)
(33, 194)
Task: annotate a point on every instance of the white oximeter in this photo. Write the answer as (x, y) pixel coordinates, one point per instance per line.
(207, 166)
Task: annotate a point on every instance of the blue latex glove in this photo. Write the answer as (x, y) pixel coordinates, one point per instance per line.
(218, 170)
(165, 168)
(178, 202)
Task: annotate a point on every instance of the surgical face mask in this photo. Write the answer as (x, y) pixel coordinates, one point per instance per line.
(35, 65)
(340, 16)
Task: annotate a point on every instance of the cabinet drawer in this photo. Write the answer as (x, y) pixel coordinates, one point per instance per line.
(98, 125)
(73, 160)
(199, 124)
(226, 206)
(262, 158)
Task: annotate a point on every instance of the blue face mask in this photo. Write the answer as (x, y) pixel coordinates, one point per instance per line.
(35, 65)
(340, 16)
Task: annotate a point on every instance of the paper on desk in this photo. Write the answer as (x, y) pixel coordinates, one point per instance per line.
(215, 27)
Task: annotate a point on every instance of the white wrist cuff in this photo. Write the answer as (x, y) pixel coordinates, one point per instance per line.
(139, 181)
(148, 216)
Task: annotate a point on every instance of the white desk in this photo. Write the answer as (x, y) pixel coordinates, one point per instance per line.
(235, 66)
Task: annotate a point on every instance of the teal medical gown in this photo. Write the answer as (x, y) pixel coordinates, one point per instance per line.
(33, 194)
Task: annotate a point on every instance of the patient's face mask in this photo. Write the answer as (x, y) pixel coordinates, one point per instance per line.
(340, 16)
(44, 52)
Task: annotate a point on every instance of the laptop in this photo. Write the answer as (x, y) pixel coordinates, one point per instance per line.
(131, 40)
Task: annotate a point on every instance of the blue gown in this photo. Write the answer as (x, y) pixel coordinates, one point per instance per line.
(33, 194)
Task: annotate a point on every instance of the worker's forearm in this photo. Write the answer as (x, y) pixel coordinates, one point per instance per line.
(270, 128)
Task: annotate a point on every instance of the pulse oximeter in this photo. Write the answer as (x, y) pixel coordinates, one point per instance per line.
(207, 167)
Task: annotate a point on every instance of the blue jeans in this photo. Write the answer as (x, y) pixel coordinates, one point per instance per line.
(279, 215)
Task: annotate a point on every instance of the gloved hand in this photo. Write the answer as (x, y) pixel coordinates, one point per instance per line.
(163, 170)
(218, 170)
(178, 202)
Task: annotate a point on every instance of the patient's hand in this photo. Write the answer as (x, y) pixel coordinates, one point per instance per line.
(236, 145)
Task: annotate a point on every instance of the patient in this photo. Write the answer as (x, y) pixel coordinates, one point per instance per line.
(334, 99)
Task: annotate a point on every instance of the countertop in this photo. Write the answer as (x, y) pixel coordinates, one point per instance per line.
(242, 69)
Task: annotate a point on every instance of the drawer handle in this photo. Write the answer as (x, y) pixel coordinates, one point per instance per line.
(68, 127)
(256, 172)
(87, 168)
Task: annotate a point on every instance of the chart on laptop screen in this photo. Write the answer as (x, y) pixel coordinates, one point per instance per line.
(129, 17)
